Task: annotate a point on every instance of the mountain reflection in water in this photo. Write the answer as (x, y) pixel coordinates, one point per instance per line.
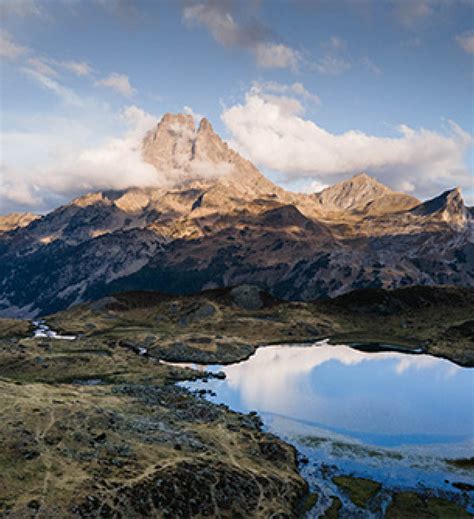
(383, 398)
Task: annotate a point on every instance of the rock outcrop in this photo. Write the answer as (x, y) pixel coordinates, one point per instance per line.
(364, 194)
(448, 207)
(12, 221)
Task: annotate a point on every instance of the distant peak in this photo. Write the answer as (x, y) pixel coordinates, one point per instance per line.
(362, 176)
(170, 118)
(11, 221)
(366, 179)
(449, 206)
(182, 153)
(448, 199)
(455, 192)
(205, 125)
(352, 194)
(90, 199)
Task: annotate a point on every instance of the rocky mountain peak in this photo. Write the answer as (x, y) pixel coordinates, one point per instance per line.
(11, 221)
(170, 121)
(363, 193)
(352, 194)
(205, 125)
(198, 157)
(169, 146)
(364, 178)
(449, 207)
(90, 199)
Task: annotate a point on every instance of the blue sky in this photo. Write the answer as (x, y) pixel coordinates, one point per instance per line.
(311, 90)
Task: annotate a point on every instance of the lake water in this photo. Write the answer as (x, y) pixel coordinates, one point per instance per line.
(390, 416)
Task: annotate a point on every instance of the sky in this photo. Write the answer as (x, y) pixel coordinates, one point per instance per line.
(312, 91)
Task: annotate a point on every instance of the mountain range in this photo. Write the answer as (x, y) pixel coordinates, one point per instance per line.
(217, 221)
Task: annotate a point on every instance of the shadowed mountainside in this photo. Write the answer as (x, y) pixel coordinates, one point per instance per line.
(217, 221)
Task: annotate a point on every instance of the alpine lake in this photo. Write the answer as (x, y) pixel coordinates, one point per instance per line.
(364, 423)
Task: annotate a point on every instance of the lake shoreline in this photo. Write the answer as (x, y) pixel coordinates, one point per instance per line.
(209, 327)
(392, 491)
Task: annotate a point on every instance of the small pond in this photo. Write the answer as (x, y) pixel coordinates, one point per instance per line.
(390, 416)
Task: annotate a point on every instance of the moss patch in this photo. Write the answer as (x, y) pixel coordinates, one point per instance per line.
(408, 504)
(462, 463)
(333, 511)
(359, 490)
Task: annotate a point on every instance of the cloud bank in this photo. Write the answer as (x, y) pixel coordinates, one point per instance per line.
(9, 49)
(466, 41)
(274, 134)
(62, 164)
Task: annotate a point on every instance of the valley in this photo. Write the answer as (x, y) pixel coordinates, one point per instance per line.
(97, 425)
(236, 259)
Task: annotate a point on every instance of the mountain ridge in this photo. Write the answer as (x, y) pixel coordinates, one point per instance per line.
(218, 221)
(365, 194)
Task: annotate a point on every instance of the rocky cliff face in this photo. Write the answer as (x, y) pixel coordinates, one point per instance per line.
(12, 221)
(189, 156)
(363, 194)
(448, 207)
(217, 221)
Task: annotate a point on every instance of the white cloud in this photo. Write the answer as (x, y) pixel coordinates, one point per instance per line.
(334, 61)
(281, 94)
(39, 62)
(315, 186)
(79, 68)
(276, 55)
(61, 162)
(410, 12)
(22, 8)
(196, 115)
(8, 48)
(217, 20)
(67, 95)
(466, 41)
(138, 121)
(331, 65)
(41, 67)
(299, 89)
(285, 142)
(370, 65)
(226, 30)
(118, 82)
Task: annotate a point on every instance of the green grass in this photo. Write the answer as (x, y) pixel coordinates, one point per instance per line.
(406, 505)
(462, 463)
(359, 490)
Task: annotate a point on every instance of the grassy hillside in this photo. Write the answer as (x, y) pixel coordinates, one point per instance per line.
(89, 428)
(226, 325)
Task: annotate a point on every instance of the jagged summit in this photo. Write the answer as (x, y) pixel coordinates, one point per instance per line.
(363, 193)
(365, 178)
(11, 221)
(197, 158)
(217, 221)
(176, 147)
(449, 207)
